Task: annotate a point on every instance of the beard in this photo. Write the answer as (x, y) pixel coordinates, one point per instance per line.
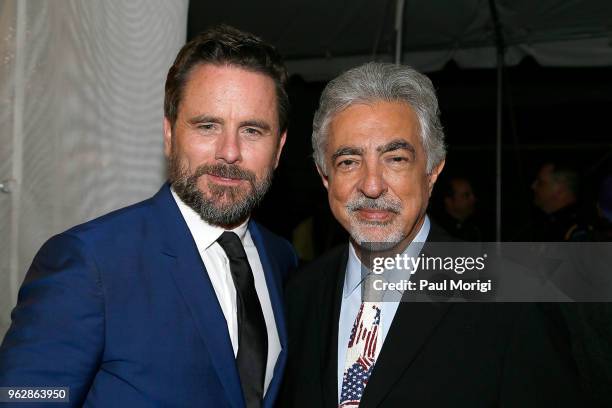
(225, 206)
(374, 235)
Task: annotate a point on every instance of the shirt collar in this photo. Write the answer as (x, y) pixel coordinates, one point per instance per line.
(352, 278)
(203, 233)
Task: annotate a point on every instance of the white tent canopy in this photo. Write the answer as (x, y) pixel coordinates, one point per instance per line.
(320, 38)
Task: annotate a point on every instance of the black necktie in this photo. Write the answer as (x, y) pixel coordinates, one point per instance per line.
(252, 334)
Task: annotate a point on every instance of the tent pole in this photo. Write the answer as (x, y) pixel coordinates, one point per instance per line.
(499, 42)
(399, 30)
(498, 148)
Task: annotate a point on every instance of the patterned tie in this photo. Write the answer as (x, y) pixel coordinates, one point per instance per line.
(252, 333)
(363, 348)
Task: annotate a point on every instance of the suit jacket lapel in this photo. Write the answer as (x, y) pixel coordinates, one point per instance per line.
(412, 325)
(330, 302)
(181, 258)
(273, 276)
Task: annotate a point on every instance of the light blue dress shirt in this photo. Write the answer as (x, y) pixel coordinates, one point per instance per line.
(351, 299)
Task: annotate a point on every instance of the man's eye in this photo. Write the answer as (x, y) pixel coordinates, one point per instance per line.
(206, 126)
(252, 131)
(346, 163)
(397, 159)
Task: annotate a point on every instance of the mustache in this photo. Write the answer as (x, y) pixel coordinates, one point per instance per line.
(381, 203)
(225, 170)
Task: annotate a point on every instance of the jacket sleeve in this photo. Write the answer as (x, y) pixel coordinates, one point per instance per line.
(56, 337)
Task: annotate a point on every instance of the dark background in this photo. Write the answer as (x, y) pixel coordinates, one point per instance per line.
(559, 114)
(550, 114)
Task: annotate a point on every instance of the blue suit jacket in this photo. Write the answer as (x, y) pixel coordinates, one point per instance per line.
(121, 310)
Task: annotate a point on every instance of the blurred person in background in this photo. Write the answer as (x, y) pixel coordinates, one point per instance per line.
(459, 203)
(555, 194)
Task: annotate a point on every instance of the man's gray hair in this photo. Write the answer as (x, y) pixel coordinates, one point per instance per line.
(377, 81)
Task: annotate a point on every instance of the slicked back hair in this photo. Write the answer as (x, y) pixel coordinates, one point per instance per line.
(377, 81)
(225, 45)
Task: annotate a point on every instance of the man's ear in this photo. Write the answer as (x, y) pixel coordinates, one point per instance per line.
(433, 176)
(167, 137)
(324, 177)
(281, 144)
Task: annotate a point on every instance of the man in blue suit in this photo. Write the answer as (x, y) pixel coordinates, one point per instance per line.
(174, 301)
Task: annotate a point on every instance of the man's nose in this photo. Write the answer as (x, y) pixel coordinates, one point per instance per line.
(373, 183)
(228, 148)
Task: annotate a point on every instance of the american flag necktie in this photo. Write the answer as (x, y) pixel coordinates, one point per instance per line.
(363, 349)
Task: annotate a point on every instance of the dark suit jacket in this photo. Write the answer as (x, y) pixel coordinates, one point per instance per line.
(434, 355)
(122, 311)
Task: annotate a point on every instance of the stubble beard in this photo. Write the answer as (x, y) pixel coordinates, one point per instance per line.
(386, 234)
(225, 206)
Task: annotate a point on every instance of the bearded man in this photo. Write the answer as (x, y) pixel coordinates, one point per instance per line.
(175, 301)
(379, 148)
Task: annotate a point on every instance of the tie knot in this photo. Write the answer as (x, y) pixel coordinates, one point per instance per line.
(231, 244)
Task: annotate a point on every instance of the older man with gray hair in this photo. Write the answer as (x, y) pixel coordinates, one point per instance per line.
(379, 148)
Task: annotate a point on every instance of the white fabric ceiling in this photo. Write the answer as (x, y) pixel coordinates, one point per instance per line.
(319, 38)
